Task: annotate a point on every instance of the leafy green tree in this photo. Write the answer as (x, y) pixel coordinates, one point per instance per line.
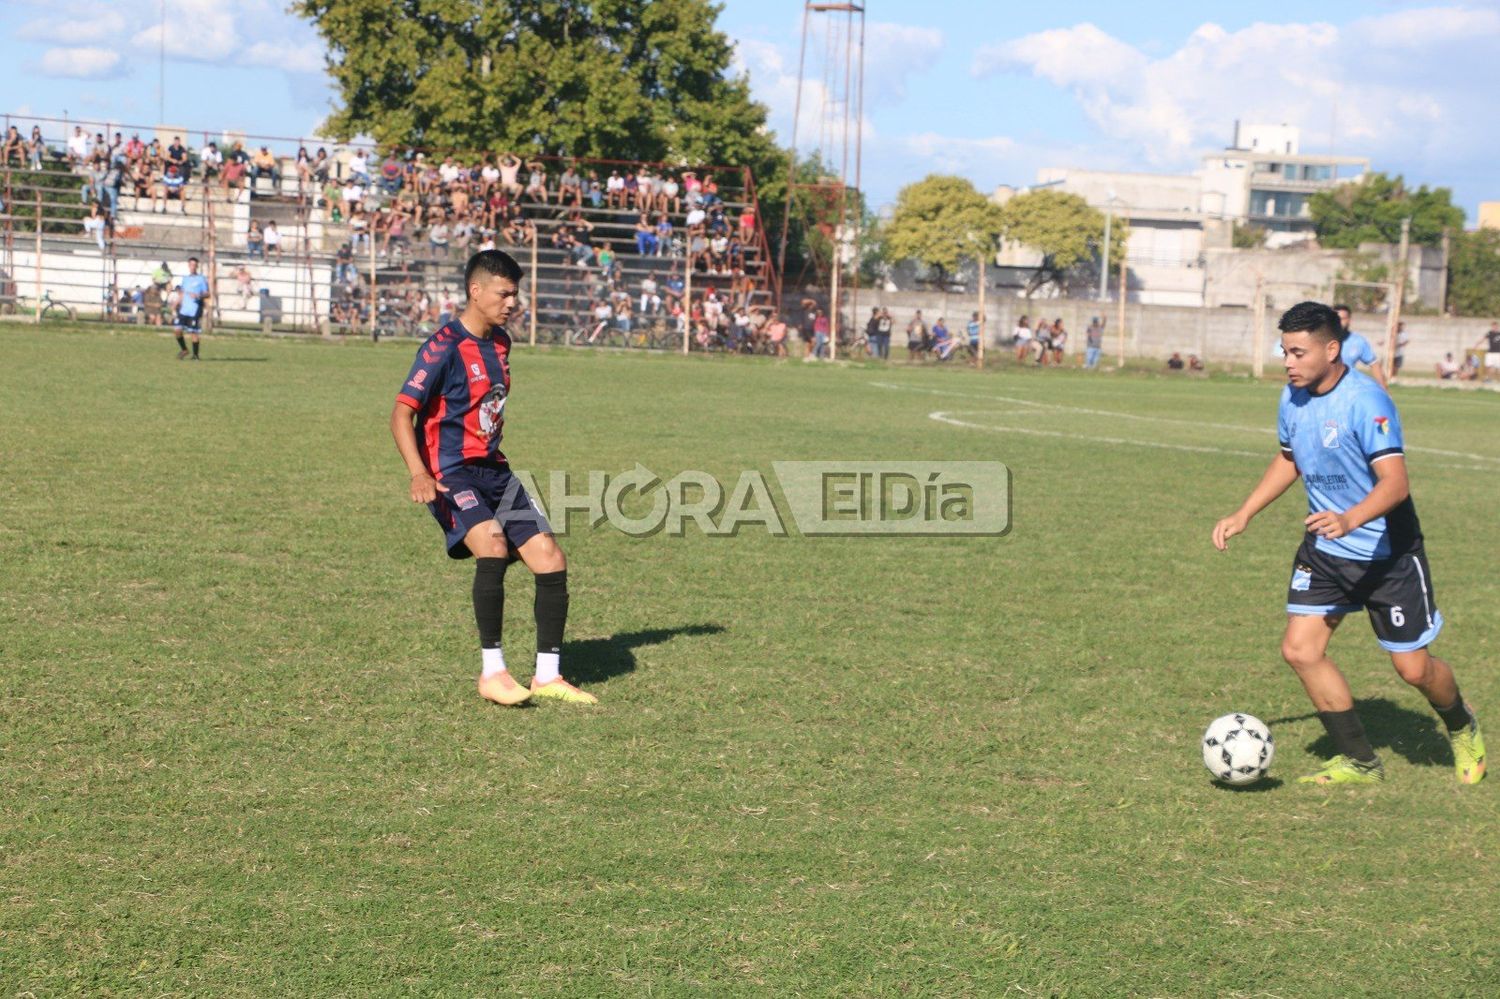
(626, 79)
(1247, 237)
(941, 221)
(1474, 273)
(1371, 212)
(1065, 231)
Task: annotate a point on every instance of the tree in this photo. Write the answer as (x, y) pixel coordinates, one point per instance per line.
(1371, 212)
(941, 221)
(627, 79)
(1064, 230)
(1474, 273)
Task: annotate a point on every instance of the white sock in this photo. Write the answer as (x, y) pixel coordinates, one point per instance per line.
(548, 667)
(494, 661)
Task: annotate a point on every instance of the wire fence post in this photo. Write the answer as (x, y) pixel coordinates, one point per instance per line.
(36, 318)
(687, 299)
(533, 302)
(371, 237)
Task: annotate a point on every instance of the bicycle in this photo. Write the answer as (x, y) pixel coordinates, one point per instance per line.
(64, 310)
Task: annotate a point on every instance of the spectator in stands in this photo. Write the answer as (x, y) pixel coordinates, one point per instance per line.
(510, 173)
(614, 190)
(263, 164)
(177, 153)
(747, 224)
(942, 340)
(271, 236)
(320, 166)
(114, 179)
(94, 223)
(664, 245)
(570, 187)
(151, 303)
(438, 235)
(650, 303)
(536, 183)
(671, 196)
(344, 271)
(37, 147)
(359, 167)
(1447, 368)
(255, 242)
(1195, 363)
(359, 228)
(820, 335)
(168, 186)
(211, 161)
(244, 284)
(1175, 362)
(236, 167)
(645, 237)
(135, 149)
(881, 344)
(78, 147)
(14, 146)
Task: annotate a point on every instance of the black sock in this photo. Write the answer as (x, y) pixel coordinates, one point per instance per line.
(1348, 734)
(489, 599)
(181, 342)
(195, 348)
(1456, 715)
(551, 610)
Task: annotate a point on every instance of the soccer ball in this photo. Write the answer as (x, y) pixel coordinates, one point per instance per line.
(1237, 748)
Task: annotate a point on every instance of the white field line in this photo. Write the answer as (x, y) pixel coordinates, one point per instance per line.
(952, 421)
(1466, 455)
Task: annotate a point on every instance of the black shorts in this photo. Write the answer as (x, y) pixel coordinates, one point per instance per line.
(189, 324)
(477, 493)
(1396, 592)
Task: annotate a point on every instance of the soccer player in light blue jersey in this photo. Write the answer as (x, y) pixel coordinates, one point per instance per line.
(1340, 433)
(1356, 350)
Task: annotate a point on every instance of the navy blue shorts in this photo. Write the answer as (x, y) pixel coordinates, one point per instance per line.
(189, 324)
(1395, 592)
(479, 493)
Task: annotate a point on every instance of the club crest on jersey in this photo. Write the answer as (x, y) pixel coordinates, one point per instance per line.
(466, 499)
(418, 379)
(1331, 434)
(1302, 578)
(1383, 425)
(477, 373)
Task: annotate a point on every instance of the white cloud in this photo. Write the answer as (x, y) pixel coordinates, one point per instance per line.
(81, 63)
(200, 30)
(305, 57)
(893, 54)
(100, 25)
(1369, 80)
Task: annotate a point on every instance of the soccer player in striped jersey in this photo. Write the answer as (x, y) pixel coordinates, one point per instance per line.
(447, 423)
(1341, 434)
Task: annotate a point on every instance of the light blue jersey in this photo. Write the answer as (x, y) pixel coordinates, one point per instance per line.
(194, 287)
(1356, 350)
(1336, 439)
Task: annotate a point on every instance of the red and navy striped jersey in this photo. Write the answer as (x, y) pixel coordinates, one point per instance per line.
(457, 386)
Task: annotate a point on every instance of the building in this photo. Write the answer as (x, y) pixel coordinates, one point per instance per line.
(1489, 215)
(1264, 180)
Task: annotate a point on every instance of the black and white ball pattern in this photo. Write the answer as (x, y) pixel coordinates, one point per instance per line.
(1237, 748)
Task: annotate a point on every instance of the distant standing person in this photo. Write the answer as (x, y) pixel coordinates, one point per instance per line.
(1490, 343)
(1093, 343)
(1402, 339)
(195, 294)
(916, 336)
(1357, 350)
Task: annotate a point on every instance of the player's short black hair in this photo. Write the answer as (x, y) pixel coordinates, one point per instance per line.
(1343, 308)
(1315, 318)
(496, 262)
(194, 260)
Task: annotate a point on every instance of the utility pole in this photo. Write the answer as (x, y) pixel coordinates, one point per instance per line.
(983, 317)
(1393, 314)
(1104, 257)
(1258, 343)
(1124, 288)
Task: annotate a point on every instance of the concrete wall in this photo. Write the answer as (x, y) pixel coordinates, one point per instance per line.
(1220, 336)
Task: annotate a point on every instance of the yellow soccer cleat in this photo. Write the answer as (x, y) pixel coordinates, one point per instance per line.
(503, 689)
(1468, 752)
(562, 690)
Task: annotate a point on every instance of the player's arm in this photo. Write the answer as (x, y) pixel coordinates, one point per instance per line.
(1279, 476)
(1391, 487)
(424, 488)
(1377, 370)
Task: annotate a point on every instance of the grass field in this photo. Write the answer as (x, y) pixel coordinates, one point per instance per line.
(241, 753)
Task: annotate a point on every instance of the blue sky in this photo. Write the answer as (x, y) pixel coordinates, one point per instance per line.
(987, 90)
